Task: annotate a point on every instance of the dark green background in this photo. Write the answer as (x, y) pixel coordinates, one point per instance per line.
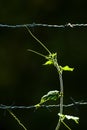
(23, 78)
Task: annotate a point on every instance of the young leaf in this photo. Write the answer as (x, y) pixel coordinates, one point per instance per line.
(51, 95)
(66, 68)
(49, 62)
(76, 119)
(51, 58)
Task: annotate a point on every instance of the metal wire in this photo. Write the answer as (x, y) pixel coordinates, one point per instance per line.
(2, 106)
(42, 25)
(42, 106)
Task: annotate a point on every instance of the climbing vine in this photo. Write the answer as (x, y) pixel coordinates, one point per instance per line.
(54, 95)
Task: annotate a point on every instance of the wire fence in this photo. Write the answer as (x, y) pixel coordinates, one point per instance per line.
(42, 25)
(11, 107)
(2, 106)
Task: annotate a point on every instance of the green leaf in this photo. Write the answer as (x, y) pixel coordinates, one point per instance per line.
(66, 68)
(50, 58)
(48, 62)
(51, 95)
(76, 119)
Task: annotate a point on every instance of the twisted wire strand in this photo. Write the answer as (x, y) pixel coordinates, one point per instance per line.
(42, 25)
(2, 106)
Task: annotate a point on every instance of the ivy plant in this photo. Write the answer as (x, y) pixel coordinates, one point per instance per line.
(51, 59)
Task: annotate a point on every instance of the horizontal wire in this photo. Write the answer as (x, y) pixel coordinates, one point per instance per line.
(49, 26)
(42, 25)
(42, 106)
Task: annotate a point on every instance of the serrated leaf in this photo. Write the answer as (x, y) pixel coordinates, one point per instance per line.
(66, 68)
(76, 119)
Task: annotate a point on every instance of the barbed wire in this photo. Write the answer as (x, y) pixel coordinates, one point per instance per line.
(2, 106)
(42, 25)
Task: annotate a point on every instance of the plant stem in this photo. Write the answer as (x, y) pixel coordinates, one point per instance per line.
(17, 119)
(66, 125)
(54, 60)
(61, 101)
(37, 53)
(37, 40)
(61, 92)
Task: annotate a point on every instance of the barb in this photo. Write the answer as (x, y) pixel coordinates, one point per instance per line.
(43, 106)
(42, 25)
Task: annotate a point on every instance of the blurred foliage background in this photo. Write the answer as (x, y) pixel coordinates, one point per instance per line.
(23, 78)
